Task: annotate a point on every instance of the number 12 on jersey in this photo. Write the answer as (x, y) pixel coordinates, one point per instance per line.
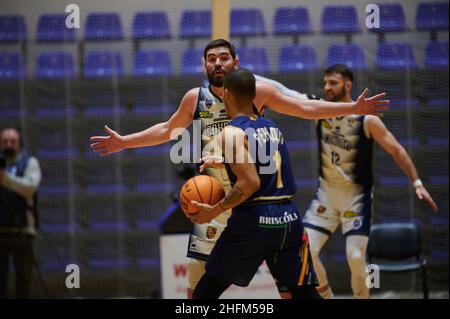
(335, 158)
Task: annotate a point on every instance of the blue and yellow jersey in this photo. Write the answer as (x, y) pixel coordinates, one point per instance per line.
(268, 149)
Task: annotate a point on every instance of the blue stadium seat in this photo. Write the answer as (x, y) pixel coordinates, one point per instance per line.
(437, 131)
(103, 26)
(294, 58)
(402, 130)
(54, 144)
(152, 179)
(436, 55)
(104, 254)
(55, 179)
(350, 54)
(291, 21)
(192, 61)
(340, 19)
(432, 16)
(392, 18)
(152, 62)
(102, 179)
(151, 25)
(195, 24)
(105, 216)
(400, 93)
(52, 28)
(148, 253)
(103, 64)
(12, 28)
(56, 217)
(11, 91)
(247, 22)
(391, 176)
(253, 58)
(57, 256)
(11, 66)
(55, 65)
(395, 56)
(391, 208)
(435, 170)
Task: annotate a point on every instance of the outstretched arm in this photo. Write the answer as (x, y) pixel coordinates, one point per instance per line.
(389, 143)
(269, 96)
(157, 134)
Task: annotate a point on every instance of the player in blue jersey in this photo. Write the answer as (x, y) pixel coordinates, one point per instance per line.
(345, 192)
(264, 224)
(205, 104)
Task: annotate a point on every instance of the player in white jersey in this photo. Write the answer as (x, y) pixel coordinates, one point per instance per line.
(345, 192)
(204, 103)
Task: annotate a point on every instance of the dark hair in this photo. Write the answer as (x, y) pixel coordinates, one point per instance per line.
(241, 82)
(340, 69)
(220, 43)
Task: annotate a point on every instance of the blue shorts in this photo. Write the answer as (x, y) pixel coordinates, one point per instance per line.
(265, 232)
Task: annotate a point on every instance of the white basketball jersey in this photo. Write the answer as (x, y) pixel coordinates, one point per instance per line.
(345, 151)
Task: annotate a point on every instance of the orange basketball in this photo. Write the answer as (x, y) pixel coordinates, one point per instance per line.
(202, 189)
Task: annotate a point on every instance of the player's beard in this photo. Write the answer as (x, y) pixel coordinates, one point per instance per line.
(215, 80)
(337, 97)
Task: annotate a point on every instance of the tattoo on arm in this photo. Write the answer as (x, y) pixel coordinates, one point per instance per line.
(234, 197)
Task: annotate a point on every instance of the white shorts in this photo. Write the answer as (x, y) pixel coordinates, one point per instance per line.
(347, 205)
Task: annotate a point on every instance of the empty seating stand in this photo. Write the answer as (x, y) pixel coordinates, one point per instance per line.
(297, 58)
(350, 54)
(12, 29)
(293, 21)
(340, 19)
(52, 28)
(103, 27)
(151, 26)
(246, 23)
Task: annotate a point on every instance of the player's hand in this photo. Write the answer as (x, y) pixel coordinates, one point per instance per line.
(372, 105)
(422, 194)
(106, 145)
(211, 161)
(205, 214)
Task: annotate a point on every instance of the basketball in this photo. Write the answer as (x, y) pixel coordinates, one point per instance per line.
(202, 189)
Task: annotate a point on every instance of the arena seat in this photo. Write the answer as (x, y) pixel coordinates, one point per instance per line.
(436, 55)
(152, 62)
(103, 64)
(55, 65)
(297, 58)
(151, 26)
(12, 28)
(351, 54)
(432, 16)
(195, 24)
(254, 59)
(52, 28)
(291, 21)
(340, 19)
(103, 27)
(191, 62)
(395, 55)
(247, 22)
(12, 66)
(392, 18)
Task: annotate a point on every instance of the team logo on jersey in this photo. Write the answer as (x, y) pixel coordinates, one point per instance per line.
(208, 103)
(357, 224)
(211, 232)
(350, 121)
(326, 124)
(350, 214)
(321, 209)
(205, 114)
